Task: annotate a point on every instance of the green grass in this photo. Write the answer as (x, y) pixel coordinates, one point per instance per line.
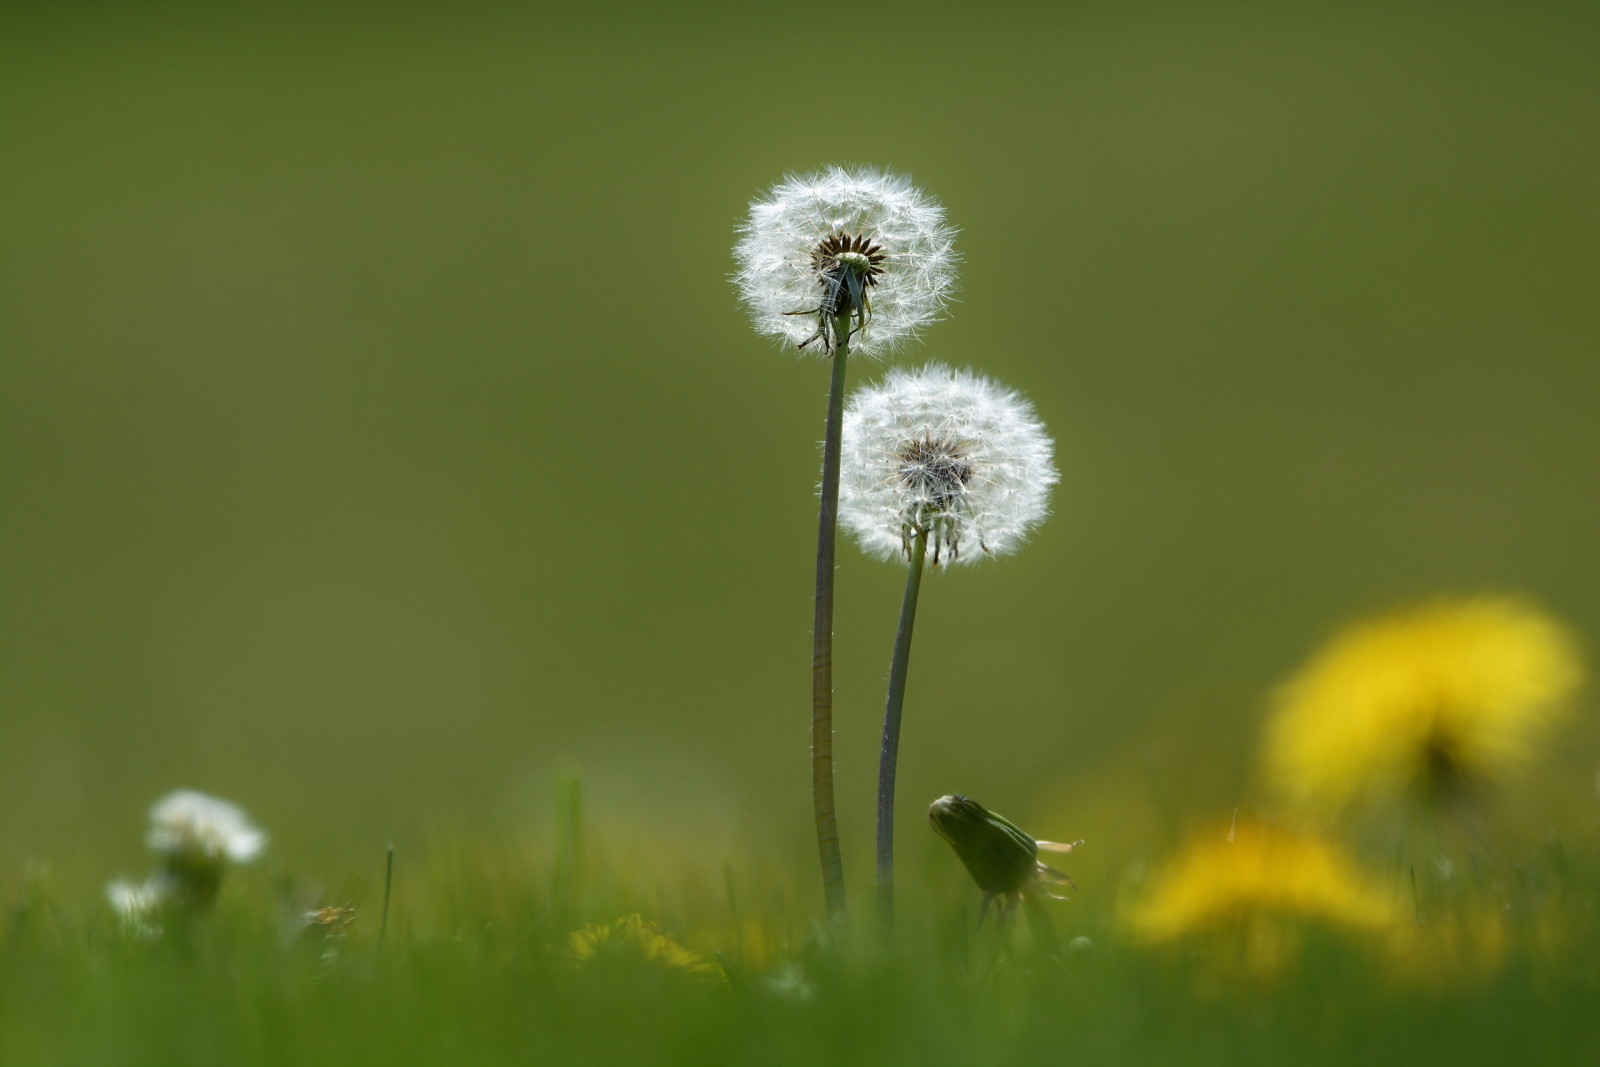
(475, 967)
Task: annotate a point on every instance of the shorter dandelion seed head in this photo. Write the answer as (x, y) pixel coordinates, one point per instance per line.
(946, 453)
(815, 246)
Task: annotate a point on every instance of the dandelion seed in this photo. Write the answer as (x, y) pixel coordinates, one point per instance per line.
(1434, 702)
(947, 454)
(860, 245)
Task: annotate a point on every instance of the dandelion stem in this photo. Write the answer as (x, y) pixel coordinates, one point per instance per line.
(822, 636)
(891, 728)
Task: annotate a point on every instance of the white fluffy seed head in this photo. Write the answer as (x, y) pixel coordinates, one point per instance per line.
(945, 451)
(136, 902)
(192, 827)
(778, 273)
(138, 905)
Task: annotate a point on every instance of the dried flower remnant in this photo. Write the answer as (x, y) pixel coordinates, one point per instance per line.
(1251, 888)
(1434, 702)
(812, 249)
(948, 454)
(1002, 859)
(330, 922)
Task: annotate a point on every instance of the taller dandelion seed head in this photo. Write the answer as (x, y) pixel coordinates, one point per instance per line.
(845, 241)
(1429, 701)
(946, 453)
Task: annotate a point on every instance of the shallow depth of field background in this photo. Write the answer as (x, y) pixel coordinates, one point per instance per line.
(380, 437)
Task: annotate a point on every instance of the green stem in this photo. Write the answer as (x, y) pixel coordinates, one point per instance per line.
(891, 728)
(822, 637)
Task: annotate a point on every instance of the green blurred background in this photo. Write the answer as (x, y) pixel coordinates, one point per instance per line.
(382, 435)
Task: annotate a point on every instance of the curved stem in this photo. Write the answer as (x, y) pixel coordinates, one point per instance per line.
(822, 636)
(891, 728)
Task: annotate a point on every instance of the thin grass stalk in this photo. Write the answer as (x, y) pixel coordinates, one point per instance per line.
(889, 754)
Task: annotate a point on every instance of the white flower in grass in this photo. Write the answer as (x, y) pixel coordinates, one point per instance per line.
(138, 904)
(195, 836)
(856, 242)
(187, 826)
(948, 453)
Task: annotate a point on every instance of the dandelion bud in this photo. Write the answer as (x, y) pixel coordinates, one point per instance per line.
(1001, 858)
(944, 453)
(862, 245)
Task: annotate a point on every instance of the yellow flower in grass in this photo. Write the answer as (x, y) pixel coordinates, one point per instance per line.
(1432, 701)
(1249, 892)
(633, 942)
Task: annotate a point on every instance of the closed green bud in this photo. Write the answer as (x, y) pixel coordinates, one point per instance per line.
(1001, 858)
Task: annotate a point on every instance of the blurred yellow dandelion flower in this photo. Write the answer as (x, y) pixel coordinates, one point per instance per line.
(1429, 701)
(633, 941)
(1254, 887)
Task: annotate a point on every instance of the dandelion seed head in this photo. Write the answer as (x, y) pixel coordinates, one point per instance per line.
(1431, 701)
(191, 827)
(137, 904)
(845, 240)
(946, 452)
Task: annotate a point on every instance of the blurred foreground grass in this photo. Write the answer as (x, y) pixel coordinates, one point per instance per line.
(677, 959)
